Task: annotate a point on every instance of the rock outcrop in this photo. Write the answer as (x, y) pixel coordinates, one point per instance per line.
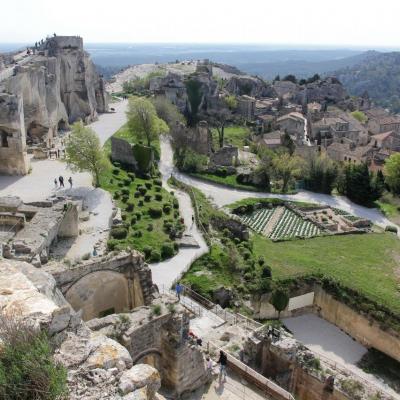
(50, 89)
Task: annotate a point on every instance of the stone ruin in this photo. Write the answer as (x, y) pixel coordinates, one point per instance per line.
(119, 356)
(227, 156)
(28, 230)
(124, 153)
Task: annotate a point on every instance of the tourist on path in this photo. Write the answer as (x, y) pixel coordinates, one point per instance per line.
(70, 182)
(178, 289)
(61, 180)
(222, 361)
(55, 183)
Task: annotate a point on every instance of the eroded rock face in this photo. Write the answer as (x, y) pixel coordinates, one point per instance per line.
(59, 85)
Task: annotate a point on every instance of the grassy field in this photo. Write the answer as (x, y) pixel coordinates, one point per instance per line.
(390, 206)
(367, 263)
(235, 135)
(229, 181)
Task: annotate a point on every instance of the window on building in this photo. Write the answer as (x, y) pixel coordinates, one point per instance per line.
(4, 139)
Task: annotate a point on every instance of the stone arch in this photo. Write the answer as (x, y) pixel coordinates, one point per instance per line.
(100, 293)
(62, 125)
(3, 138)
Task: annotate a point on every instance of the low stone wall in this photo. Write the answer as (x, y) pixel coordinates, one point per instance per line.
(356, 325)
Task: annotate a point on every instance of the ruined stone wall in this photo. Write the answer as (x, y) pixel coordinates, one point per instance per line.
(227, 156)
(356, 325)
(121, 151)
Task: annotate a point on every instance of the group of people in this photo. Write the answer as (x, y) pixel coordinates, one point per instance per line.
(60, 182)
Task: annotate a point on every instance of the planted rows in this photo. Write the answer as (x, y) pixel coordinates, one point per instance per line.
(258, 219)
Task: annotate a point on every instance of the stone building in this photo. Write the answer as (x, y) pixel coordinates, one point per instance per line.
(384, 124)
(349, 153)
(246, 106)
(271, 140)
(293, 124)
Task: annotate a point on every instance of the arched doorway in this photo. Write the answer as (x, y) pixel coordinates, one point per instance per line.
(99, 293)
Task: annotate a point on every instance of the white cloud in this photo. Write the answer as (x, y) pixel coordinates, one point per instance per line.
(339, 22)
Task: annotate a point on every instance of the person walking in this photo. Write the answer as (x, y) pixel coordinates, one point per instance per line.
(70, 182)
(222, 361)
(178, 290)
(55, 183)
(61, 180)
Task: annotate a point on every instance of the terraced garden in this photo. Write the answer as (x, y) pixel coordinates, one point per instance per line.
(288, 225)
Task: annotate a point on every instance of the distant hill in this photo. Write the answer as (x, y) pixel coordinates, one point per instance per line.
(379, 74)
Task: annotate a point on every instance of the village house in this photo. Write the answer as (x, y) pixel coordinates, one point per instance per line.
(293, 124)
(386, 141)
(246, 106)
(350, 153)
(265, 123)
(265, 105)
(271, 140)
(384, 124)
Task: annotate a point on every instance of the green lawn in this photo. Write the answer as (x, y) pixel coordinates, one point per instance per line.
(229, 181)
(367, 263)
(390, 206)
(235, 135)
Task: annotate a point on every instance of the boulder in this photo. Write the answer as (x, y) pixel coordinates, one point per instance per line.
(138, 377)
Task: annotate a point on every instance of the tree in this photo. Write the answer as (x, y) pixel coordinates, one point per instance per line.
(167, 111)
(280, 300)
(392, 173)
(83, 152)
(287, 142)
(231, 102)
(277, 78)
(290, 78)
(286, 167)
(320, 174)
(143, 120)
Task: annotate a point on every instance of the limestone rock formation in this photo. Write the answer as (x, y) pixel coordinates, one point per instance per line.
(57, 85)
(248, 85)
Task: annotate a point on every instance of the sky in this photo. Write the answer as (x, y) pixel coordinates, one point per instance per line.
(344, 23)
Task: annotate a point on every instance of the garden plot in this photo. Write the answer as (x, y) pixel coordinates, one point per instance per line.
(258, 219)
(289, 225)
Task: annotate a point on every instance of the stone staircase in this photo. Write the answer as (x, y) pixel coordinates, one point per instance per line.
(273, 221)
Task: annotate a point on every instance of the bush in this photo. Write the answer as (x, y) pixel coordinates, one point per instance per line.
(140, 203)
(157, 182)
(155, 212)
(115, 171)
(176, 204)
(391, 228)
(136, 194)
(121, 184)
(125, 192)
(158, 188)
(158, 197)
(148, 185)
(111, 244)
(117, 195)
(133, 220)
(176, 214)
(126, 181)
(125, 199)
(142, 190)
(130, 207)
(123, 216)
(147, 251)
(167, 251)
(27, 368)
(138, 215)
(147, 197)
(167, 208)
(137, 234)
(131, 176)
(150, 227)
(156, 309)
(155, 256)
(119, 233)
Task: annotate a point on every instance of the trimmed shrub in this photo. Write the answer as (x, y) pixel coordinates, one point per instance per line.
(123, 216)
(142, 190)
(158, 188)
(157, 182)
(155, 256)
(133, 220)
(167, 208)
(140, 203)
(148, 185)
(150, 227)
(176, 203)
(138, 215)
(147, 251)
(176, 246)
(117, 195)
(158, 196)
(130, 206)
(147, 197)
(121, 184)
(111, 244)
(125, 199)
(125, 192)
(131, 176)
(126, 181)
(167, 251)
(119, 233)
(115, 171)
(155, 212)
(137, 234)
(176, 214)
(136, 194)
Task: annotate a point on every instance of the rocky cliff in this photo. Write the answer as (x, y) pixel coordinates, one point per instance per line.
(58, 84)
